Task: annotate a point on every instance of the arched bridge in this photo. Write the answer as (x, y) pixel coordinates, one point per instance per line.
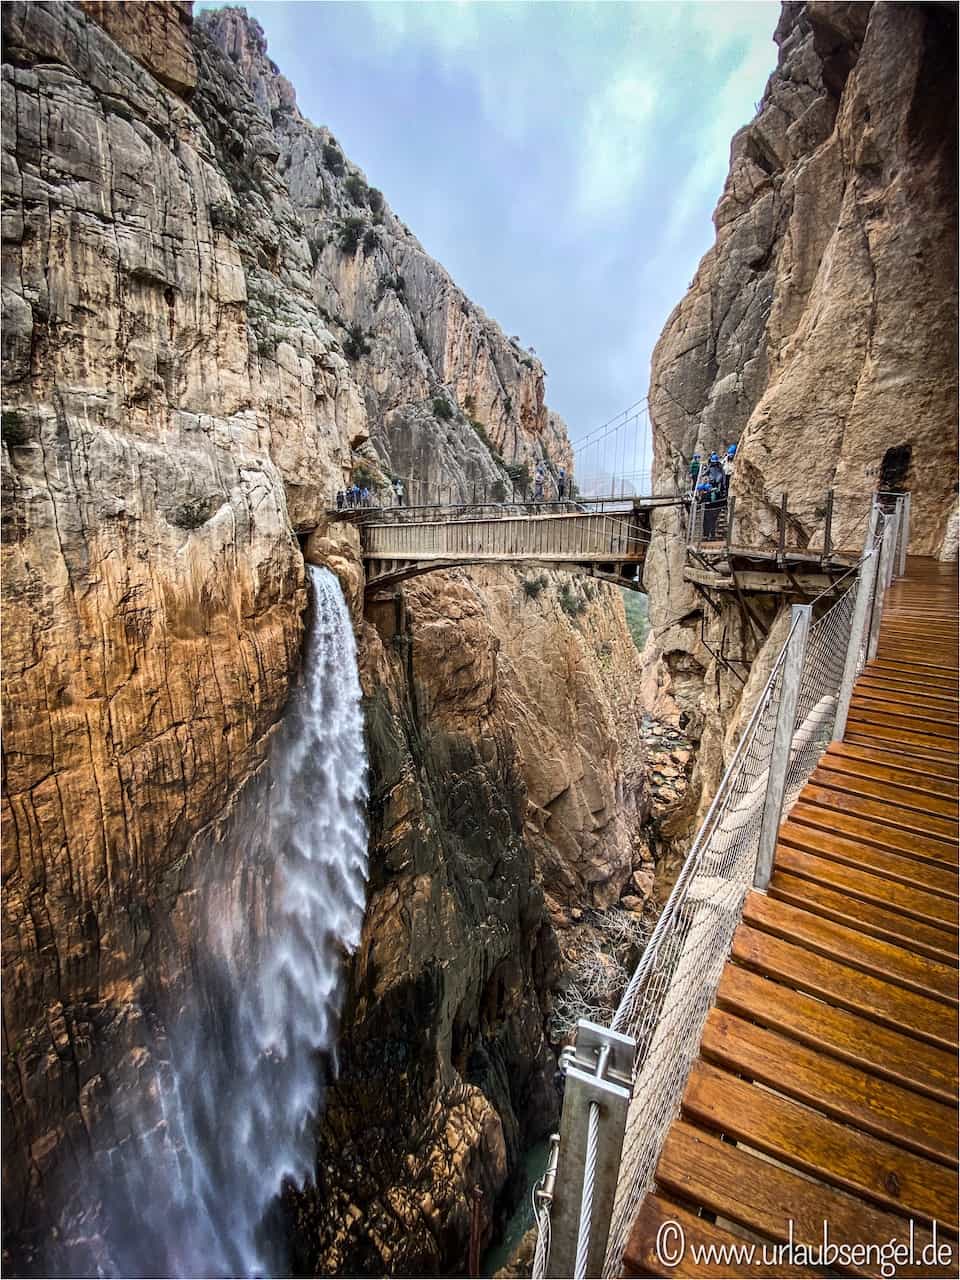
(611, 547)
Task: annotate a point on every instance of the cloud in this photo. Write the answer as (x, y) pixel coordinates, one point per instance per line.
(613, 144)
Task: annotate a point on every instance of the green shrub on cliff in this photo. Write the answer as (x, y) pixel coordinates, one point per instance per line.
(355, 344)
(333, 158)
(356, 189)
(571, 604)
(350, 234)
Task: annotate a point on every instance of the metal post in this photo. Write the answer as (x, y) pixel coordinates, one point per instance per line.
(894, 542)
(880, 586)
(782, 742)
(730, 506)
(871, 528)
(904, 534)
(858, 629)
(782, 531)
(599, 1079)
(828, 527)
(895, 560)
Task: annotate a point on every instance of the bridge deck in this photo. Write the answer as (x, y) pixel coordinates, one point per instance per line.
(603, 544)
(826, 1086)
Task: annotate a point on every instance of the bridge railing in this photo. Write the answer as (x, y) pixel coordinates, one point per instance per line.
(605, 1123)
(574, 537)
(825, 525)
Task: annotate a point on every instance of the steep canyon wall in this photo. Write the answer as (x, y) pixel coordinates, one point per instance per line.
(211, 320)
(819, 330)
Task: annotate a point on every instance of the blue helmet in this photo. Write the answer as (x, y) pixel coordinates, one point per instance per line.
(696, 457)
(703, 488)
(714, 457)
(731, 450)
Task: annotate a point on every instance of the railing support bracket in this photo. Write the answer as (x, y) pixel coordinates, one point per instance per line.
(600, 1072)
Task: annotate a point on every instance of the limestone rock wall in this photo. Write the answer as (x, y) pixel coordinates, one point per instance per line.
(820, 329)
(153, 586)
(186, 384)
(509, 790)
(413, 335)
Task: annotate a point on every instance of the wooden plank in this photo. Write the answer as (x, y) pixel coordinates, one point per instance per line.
(779, 1204)
(849, 946)
(893, 656)
(840, 757)
(910, 712)
(908, 741)
(890, 814)
(864, 735)
(930, 863)
(890, 691)
(934, 727)
(926, 766)
(814, 834)
(708, 1250)
(840, 1032)
(888, 792)
(866, 902)
(832, 1152)
(875, 677)
(892, 1006)
(846, 1093)
(939, 773)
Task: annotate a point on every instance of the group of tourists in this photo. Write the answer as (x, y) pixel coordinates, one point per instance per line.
(710, 484)
(356, 495)
(540, 480)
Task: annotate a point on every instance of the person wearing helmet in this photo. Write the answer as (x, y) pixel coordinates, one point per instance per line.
(715, 472)
(694, 470)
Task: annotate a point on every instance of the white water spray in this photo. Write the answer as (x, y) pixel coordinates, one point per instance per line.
(240, 1093)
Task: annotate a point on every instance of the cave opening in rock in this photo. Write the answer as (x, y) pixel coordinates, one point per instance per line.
(894, 468)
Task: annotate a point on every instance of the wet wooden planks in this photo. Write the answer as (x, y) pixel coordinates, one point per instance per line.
(826, 1087)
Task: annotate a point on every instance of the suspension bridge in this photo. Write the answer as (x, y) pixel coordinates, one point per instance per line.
(597, 520)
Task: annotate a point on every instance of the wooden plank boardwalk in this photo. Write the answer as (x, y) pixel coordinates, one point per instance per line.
(826, 1086)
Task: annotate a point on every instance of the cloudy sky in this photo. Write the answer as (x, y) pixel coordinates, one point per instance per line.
(561, 160)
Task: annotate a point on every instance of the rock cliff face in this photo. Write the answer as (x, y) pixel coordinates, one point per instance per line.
(210, 320)
(493, 730)
(820, 330)
(449, 396)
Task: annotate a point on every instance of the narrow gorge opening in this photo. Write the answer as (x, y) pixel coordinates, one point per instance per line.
(228, 1104)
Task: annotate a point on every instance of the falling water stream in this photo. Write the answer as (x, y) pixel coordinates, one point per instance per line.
(241, 1082)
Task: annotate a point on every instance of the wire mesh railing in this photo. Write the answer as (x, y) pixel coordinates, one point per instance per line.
(823, 667)
(665, 1004)
(667, 1000)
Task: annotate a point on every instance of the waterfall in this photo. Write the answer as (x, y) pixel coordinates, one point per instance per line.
(233, 1106)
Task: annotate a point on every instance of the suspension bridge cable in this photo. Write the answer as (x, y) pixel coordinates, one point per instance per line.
(615, 423)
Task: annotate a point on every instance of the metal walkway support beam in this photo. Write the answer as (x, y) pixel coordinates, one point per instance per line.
(782, 742)
(596, 1096)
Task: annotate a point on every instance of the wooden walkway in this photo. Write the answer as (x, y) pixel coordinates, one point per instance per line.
(826, 1086)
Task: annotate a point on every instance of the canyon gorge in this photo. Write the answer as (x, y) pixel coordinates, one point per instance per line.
(212, 322)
